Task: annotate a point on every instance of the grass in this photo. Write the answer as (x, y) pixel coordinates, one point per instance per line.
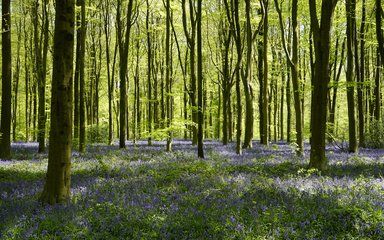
(143, 192)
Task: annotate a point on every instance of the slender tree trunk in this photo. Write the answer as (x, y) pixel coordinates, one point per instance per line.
(282, 99)
(332, 109)
(168, 72)
(149, 72)
(58, 181)
(351, 35)
(124, 45)
(377, 90)
(76, 103)
(379, 31)
(190, 36)
(16, 82)
(200, 82)
(110, 80)
(264, 92)
(41, 51)
(360, 86)
(81, 79)
(293, 62)
(6, 96)
(380, 58)
(248, 89)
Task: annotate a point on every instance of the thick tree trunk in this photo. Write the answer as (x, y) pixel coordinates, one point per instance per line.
(58, 181)
(321, 34)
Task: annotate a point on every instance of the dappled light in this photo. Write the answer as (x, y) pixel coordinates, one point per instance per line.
(145, 192)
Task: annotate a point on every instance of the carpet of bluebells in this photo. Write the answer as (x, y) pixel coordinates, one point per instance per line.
(143, 192)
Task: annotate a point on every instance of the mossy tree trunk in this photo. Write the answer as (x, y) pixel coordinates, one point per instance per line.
(58, 180)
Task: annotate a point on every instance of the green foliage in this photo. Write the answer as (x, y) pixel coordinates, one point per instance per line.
(375, 135)
(98, 133)
(146, 193)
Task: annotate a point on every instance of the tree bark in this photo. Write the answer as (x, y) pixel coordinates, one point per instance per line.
(321, 37)
(6, 96)
(293, 63)
(124, 46)
(58, 181)
(247, 77)
(149, 72)
(264, 90)
(200, 82)
(81, 79)
(360, 86)
(351, 35)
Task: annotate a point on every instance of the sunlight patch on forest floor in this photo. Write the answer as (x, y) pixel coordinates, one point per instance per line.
(144, 192)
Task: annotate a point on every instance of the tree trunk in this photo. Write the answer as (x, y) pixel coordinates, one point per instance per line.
(248, 91)
(168, 75)
(149, 72)
(16, 83)
(321, 35)
(360, 86)
(351, 35)
(200, 82)
(190, 36)
(377, 90)
(110, 79)
(264, 92)
(6, 96)
(124, 45)
(82, 79)
(58, 181)
(293, 62)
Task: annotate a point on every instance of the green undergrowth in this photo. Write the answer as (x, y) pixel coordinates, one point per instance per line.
(147, 194)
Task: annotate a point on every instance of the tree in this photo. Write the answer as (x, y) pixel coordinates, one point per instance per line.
(199, 83)
(232, 10)
(292, 59)
(5, 129)
(107, 33)
(123, 51)
(227, 79)
(149, 72)
(263, 78)
(361, 77)
(58, 180)
(41, 51)
(247, 77)
(321, 37)
(191, 42)
(351, 36)
(168, 72)
(82, 36)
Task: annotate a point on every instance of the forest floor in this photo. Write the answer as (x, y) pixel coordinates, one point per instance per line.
(143, 192)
